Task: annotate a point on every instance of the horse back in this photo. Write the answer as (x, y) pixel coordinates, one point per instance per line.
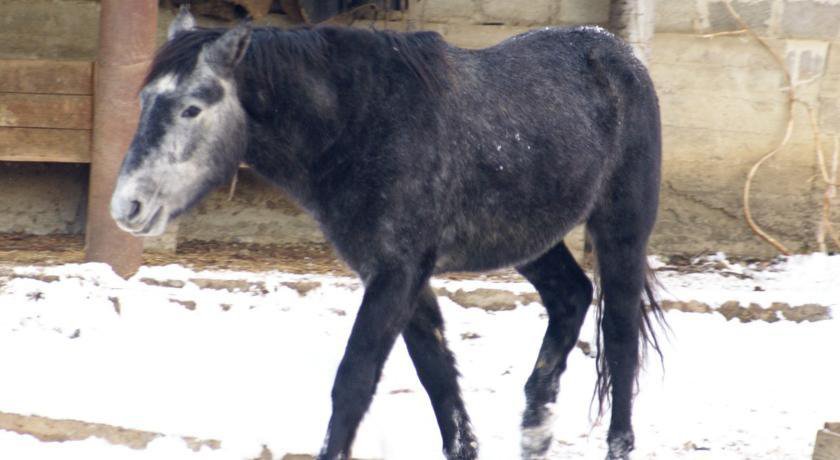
(495, 164)
(537, 131)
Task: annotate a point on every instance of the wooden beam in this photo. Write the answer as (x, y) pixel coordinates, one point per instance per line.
(45, 111)
(39, 94)
(49, 145)
(46, 77)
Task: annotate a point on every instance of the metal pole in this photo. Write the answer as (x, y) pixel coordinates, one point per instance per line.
(127, 32)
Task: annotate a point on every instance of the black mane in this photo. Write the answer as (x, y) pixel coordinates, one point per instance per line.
(423, 53)
(179, 55)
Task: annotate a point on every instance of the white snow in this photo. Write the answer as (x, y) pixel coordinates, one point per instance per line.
(595, 29)
(253, 369)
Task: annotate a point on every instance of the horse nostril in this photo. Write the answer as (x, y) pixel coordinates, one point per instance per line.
(134, 211)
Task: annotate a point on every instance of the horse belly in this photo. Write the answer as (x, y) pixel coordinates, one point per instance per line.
(488, 243)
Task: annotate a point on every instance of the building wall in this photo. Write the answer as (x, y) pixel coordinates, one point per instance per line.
(722, 97)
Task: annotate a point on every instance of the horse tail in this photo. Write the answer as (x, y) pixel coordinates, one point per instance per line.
(652, 317)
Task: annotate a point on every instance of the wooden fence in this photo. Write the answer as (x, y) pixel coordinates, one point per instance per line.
(46, 110)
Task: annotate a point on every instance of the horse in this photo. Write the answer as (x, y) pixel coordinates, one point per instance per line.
(419, 158)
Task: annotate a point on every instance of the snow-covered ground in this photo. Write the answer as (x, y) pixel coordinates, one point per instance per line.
(254, 367)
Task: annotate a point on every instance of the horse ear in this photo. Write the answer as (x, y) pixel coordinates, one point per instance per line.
(223, 54)
(183, 22)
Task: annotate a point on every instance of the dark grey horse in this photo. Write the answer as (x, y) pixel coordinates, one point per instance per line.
(419, 158)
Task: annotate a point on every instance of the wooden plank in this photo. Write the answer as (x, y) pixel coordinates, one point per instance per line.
(51, 145)
(827, 446)
(45, 111)
(46, 77)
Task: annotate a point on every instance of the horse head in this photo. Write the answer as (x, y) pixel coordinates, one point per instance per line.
(191, 135)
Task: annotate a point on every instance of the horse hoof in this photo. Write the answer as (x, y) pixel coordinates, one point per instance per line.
(463, 455)
(620, 446)
(537, 431)
(535, 444)
(466, 450)
(610, 456)
(323, 456)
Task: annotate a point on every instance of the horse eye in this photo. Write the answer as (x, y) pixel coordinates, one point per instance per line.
(191, 112)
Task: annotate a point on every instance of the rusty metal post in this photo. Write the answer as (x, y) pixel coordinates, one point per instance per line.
(127, 32)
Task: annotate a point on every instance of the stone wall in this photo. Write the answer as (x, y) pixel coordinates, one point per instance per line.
(722, 97)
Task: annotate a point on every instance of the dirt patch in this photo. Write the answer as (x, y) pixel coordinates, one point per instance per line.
(311, 258)
(188, 304)
(39, 277)
(230, 285)
(489, 299)
(302, 287)
(733, 309)
(299, 258)
(60, 430)
(177, 284)
(807, 312)
(115, 301)
(586, 348)
(691, 306)
(41, 250)
(9, 274)
(62, 249)
(754, 312)
(706, 262)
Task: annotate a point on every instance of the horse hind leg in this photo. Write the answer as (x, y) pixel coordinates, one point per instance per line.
(566, 293)
(435, 367)
(620, 239)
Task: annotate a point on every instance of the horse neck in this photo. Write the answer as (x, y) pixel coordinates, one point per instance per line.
(292, 112)
(300, 113)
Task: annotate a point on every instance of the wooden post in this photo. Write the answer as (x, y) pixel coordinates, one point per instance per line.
(634, 21)
(127, 32)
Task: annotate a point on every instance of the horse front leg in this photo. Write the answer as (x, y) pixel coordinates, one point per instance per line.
(435, 367)
(387, 307)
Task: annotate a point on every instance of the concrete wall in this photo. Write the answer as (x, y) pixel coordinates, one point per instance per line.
(42, 199)
(722, 101)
